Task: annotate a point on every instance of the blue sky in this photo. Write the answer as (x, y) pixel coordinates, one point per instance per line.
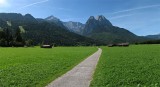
(141, 17)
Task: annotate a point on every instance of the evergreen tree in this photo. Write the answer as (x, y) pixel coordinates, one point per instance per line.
(7, 36)
(2, 38)
(18, 37)
(18, 41)
(2, 34)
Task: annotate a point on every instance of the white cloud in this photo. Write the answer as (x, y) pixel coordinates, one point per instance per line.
(130, 10)
(116, 17)
(122, 16)
(35, 3)
(138, 8)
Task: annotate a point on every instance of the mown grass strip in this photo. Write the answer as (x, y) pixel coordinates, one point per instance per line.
(31, 67)
(134, 66)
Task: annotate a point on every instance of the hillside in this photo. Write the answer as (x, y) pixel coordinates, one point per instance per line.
(40, 30)
(101, 29)
(55, 20)
(76, 27)
(157, 36)
(96, 31)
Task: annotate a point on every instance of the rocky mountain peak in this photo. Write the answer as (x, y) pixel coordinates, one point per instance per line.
(29, 17)
(55, 20)
(17, 17)
(99, 20)
(100, 17)
(94, 24)
(91, 18)
(11, 16)
(52, 18)
(76, 27)
(103, 21)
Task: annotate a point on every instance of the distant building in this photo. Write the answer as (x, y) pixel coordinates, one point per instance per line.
(46, 46)
(111, 45)
(123, 44)
(119, 44)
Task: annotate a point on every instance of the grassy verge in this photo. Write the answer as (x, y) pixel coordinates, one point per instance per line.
(31, 67)
(134, 66)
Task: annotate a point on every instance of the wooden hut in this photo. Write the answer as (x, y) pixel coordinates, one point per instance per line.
(119, 44)
(111, 45)
(123, 44)
(46, 46)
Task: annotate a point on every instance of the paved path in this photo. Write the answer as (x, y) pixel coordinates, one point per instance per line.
(80, 75)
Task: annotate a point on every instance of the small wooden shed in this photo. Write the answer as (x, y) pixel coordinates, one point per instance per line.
(123, 44)
(46, 46)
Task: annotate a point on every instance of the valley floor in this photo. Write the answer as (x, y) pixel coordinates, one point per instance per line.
(134, 66)
(80, 75)
(36, 67)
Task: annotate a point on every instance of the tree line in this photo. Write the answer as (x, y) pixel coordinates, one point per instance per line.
(151, 42)
(11, 38)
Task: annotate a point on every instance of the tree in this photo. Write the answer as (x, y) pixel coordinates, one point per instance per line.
(18, 37)
(2, 34)
(7, 36)
(29, 43)
(18, 41)
(2, 38)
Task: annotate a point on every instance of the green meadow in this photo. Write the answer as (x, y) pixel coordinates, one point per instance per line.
(134, 66)
(36, 67)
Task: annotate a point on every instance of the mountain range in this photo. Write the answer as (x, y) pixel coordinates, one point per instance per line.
(157, 36)
(76, 27)
(55, 20)
(97, 30)
(102, 29)
(42, 30)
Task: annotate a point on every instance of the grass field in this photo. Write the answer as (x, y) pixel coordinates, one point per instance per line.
(134, 66)
(31, 67)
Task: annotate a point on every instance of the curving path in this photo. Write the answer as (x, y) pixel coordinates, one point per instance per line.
(80, 75)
